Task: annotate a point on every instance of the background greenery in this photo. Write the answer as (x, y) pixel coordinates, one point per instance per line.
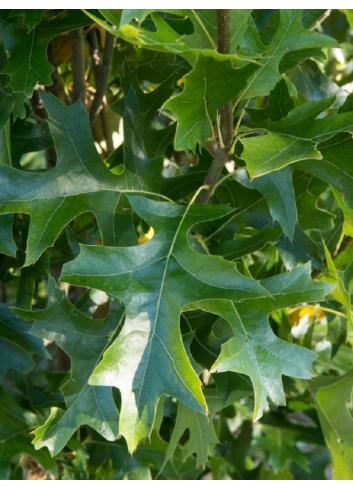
(281, 205)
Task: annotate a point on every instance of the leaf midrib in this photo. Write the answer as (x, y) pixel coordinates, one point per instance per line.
(158, 306)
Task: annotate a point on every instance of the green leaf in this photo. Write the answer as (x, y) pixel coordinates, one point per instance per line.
(28, 65)
(255, 350)
(206, 345)
(27, 283)
(301, 249)
(349, 14)
(279, 104)
(336, 333)
(190, 178)
(155, 141)
(148, 456)
(237, 451)
(17, 331)
(284, 474)
(15, 422)
(140, 14)
(5, 144)
(187, 340)
(234, 249)
(176, 324)
(332, 396)
(84, 340)
(253, 212)
(339, 293)
(347, 106)
(335, 166)
(277, 188)
(347, 213)
(80, 180)
(156, 67)
(344, 258)
(280, 443)
(165, 38)
(17, 346)
(8, 100)
(7, 244)
(318, 460)
(201, 429)
(28, 138)
(13, 356)
(196, 107)
(294, 138)
(151, 330)
(314, 85)
(56, 380)
(294, 58)
(89, 302)
(290, 36)
(228, 382)
(308, 189)
(201, 433)
(310, 16)
(32, 17)
(240, 194)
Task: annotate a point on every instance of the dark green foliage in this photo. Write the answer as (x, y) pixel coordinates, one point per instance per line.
(148, 332)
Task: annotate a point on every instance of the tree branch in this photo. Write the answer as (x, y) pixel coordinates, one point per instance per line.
(95, 54)
(101, 72)
(223, 29)
(226, 116)
(57, 87)
(78, 65)
(320, 21)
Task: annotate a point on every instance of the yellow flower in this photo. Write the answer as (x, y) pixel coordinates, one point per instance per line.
(295, 314)
(147, 236)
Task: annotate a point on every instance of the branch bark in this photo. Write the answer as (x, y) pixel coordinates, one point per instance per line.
(57, 87)
(78, 66)
(101, 71)
(226, 116)
(320, 21)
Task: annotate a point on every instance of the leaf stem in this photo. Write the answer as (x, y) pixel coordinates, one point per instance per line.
(204, 29)
(339, 242)
(198, 192)
(231, 151)
(219, 131)
(332, 311)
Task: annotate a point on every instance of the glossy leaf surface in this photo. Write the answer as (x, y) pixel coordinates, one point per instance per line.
(84, 340)
(151, 328)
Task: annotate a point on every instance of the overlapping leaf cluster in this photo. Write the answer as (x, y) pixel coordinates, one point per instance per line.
(135, 320)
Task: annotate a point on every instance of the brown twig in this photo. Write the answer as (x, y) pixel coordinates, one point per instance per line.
(57, 87)
(41, 115)
(320, 21)
(78, 65)
(101, 71)
(225, 137)
(94, 48)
